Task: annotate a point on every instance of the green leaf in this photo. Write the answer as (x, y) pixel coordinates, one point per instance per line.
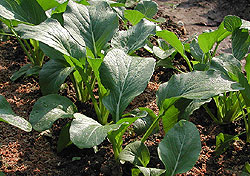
(196, 85)
(247, 169)
(91, 24)
(136, 153)
(247, 67)
(23, 12)
(232, 22)
(22, 71)
(207, 40)
(86, 132)
(173, 40)
(240, 43)
(125, 77)
(64, 138)
(181, 109)
(151, 171)
(135, 37)
(115, 137)
(148, 8)
(142, 124)
(50, 108)
(8, 116)
(53, 75)
(180, 148)
(133, 16)
(223, 141)
(196, 51)
(51, 33)
(227, 64)
(48, 4)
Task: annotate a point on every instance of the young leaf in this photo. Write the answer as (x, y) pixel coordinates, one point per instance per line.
(180, 148)
(8, 116)
(135, 37)
(207, 40)
(125, 77)
(53, 75)
(172, 39)
(48, 4)
(86, 132)
(115, 136)
(50, 108)
(133, 16)
(232, 22)
(136, 153)
(22, 71)
(23, 12)
(240, 43)
(223, 141)
(148, 8)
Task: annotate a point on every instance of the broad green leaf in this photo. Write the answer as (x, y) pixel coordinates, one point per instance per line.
(148, 8)
(8, 116)
(180, 148)
(53, 75)
(51, 33)
(240, 43)
(151, 171)
(208, 39)
(196, 85)
(223, 141)
(134, 16)
(232, 22)
(172, 39)
(125, 77)
(135, 37)
(91, 24)
(50, 108)
(48, 4)
(136, 153)
(86, 132)
(23, 12)
(227, 64)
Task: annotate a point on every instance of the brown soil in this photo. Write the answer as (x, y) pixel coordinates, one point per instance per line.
(35, 153)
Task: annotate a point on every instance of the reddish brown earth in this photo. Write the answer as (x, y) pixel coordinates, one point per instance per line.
(35, 153)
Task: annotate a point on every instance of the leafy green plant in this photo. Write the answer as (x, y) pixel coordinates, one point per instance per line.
(178, 151)
(79, 53)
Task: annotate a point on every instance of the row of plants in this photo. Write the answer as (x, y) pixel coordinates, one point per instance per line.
(83, 43)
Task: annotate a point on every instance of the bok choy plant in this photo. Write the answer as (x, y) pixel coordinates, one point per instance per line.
(79, 47)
